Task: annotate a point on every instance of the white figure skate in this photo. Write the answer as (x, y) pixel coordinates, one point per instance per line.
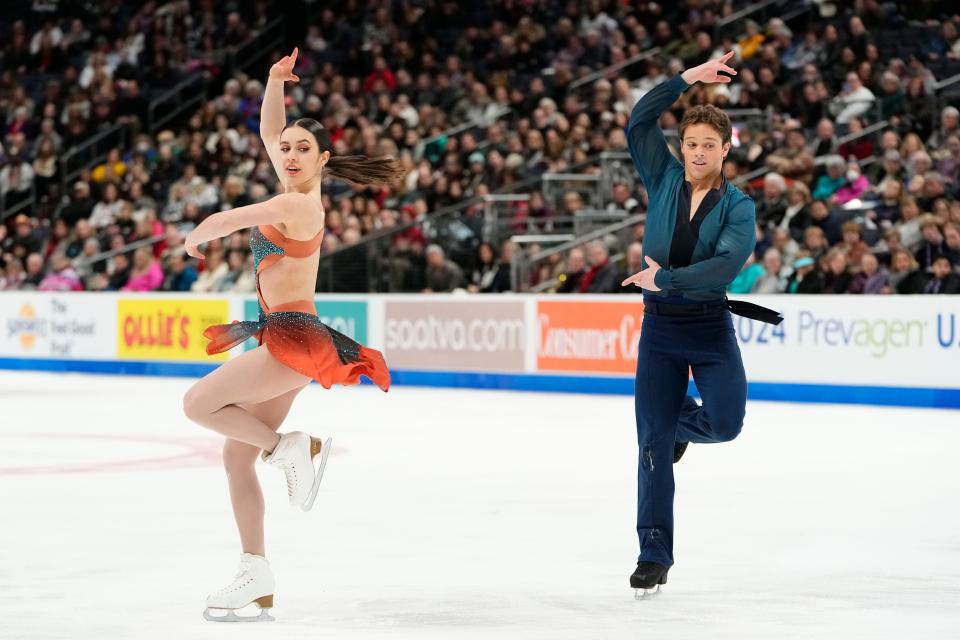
(253, 584)
(295, 454)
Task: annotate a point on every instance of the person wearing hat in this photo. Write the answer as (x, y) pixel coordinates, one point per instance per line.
(806, 277)
(699, 233)
(80, 206)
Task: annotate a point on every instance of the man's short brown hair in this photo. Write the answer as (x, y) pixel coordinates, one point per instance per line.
(709, 115)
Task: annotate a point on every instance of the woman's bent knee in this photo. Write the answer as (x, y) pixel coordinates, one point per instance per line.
(195, 405)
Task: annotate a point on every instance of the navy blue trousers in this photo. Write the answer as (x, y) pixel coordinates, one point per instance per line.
(666, 414)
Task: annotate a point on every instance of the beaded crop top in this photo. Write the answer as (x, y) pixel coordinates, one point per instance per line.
(269, 246)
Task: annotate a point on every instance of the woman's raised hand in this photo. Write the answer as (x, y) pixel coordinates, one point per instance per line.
(710, 70)
(283, 68)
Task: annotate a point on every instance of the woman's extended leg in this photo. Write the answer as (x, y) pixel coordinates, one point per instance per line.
(238, 461)
(216, 401)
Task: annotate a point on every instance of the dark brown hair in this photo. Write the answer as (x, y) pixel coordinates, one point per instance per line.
(709, 115)
(357, 169)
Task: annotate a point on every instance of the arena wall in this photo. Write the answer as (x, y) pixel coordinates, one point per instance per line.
(884, 350)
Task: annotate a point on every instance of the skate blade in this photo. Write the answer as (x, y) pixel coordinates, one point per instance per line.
(324, 452)
(230, 615)
(646, 594)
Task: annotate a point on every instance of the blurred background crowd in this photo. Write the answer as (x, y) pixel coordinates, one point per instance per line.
(125, 124)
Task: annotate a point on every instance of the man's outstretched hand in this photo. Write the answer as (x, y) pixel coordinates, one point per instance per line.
(710, 70)
(644, 279)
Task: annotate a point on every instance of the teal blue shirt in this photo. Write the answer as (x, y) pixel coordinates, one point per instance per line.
(727, 234)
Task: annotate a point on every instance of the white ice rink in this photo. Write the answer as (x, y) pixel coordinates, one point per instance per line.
(473, 514)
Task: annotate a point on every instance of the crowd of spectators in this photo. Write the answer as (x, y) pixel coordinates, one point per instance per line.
(389, 81)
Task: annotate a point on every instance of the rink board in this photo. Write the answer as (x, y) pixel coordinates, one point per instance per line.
(884, 350)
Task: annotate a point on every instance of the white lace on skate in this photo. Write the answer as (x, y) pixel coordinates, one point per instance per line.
(290, 473)
(250, 586)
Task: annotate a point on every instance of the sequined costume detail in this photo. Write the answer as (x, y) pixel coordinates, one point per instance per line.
(292, 331)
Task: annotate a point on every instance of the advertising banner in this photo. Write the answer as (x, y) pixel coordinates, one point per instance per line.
(890, 341)
(168, 328)
(455, 335)
(45, 325)
(588, 336)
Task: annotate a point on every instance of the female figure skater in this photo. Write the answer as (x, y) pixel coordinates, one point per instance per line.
(248, 397)
(702, 228)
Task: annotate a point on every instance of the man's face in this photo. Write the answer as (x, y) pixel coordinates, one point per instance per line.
(941, 268)
(932, 234)
(635, 257)
(952, 237)
(597, 255)
(575, 261)
(703, 151)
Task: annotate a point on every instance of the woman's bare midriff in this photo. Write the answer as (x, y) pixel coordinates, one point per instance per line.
(289, 280)
(294, 279)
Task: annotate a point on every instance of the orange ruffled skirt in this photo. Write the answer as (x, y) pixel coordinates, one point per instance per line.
(306, 345)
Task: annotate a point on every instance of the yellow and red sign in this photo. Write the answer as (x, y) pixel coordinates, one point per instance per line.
(588, 336)
(157, 329)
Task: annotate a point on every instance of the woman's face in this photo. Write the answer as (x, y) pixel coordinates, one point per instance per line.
(486, 254)
(300, 156)
(235, 261)
(838, 263)
(901, 261)
(909, 210)
(892, 190)
(869, 264)
(141, 258)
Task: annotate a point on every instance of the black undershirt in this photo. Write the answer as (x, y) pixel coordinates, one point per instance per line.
(686, 232)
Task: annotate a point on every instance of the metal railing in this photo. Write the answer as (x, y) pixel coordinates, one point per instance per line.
(90, 152)
(728, 23)
(522, 266)
(259, 47)
(17, 207)
(819, 160)
(946, 93)
(190, 93)
(608, 71)
(376, 246)
(479, 123)
(83, 261)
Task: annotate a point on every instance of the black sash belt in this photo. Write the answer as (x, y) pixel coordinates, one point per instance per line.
(738, 307)
(753, 311)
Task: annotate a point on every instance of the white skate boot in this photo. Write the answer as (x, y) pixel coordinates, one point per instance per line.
(253, 584)
(295, 454)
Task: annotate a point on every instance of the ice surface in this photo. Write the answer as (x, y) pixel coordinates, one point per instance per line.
(474, 514)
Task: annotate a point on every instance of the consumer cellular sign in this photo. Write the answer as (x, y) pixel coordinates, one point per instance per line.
(454, 335)
(588, 335)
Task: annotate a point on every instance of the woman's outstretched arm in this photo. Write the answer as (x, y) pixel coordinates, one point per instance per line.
(282, 208)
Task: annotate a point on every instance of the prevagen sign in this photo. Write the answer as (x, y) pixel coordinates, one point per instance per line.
(886, 341)
(877, 335)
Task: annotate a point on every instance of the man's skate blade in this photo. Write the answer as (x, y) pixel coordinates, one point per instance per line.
(646, 594)
(324, 452)
(230, 615)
